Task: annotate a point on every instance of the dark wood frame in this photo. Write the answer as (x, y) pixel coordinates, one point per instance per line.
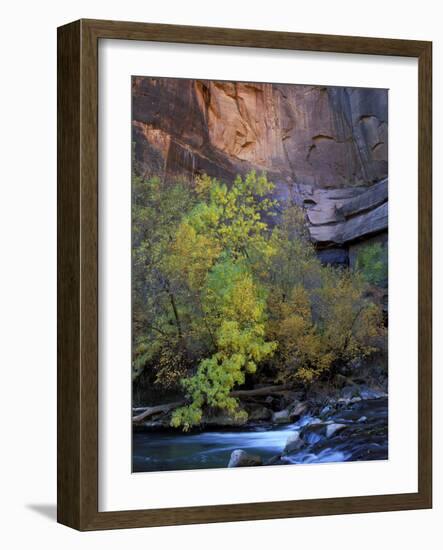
(77, 455)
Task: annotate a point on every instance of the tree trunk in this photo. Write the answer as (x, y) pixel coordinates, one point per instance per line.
(177, 318)
(267, 390)
(149, 411)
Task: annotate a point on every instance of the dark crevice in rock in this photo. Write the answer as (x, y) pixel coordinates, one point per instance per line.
(322, 137)
(377, 145)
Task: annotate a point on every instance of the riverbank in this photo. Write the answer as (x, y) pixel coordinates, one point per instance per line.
(278, 405)
(341, 419)
(349, 430)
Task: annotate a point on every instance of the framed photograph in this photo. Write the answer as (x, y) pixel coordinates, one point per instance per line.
(244, 275)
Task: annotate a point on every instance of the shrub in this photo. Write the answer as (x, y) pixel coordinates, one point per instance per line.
(226, 281)
(372, 262)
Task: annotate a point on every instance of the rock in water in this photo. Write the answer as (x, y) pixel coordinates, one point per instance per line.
(222, 420)
(290, 414)
(275, 460)
(368, 393)
(281, 417)
(298, 408)
(325, 410)
(258, 413)
(293, 443)
(314, 431)
(241, 458)
(332, 429)
(348, 392)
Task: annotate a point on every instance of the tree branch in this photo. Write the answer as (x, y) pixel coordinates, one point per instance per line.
(149, 411)
(266, 390)
(165, 408)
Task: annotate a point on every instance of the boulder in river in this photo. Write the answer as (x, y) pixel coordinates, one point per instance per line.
(325, 410)
(257, 413)
(281, 417)
(314, 431)
(294, 442)
(369, 393)
(348, 392)
(297, 409)
(275, 460)
(223, 420)
(240, 458)
(290, 414)
(332, 429)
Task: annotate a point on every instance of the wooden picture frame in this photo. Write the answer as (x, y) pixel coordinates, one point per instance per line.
(78, 274)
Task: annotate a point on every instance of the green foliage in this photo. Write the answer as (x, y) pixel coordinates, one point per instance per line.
(319, 315)
(348, 321)
(233, 302)
(225, 282)
(160, 315)
(233, 216)
(301, 355)
(372, 262)
(294, 262)
(236, 311)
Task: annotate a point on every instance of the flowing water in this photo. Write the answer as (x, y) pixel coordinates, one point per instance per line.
(365, 438)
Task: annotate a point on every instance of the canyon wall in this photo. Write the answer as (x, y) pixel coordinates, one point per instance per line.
(324, 147)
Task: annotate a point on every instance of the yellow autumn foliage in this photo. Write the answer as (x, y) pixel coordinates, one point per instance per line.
(301, 353)
(231, 284)
(192, 255)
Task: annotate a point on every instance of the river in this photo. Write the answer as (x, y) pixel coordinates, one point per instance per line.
(364, 438)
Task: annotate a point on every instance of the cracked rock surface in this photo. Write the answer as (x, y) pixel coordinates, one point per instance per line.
(325, 148)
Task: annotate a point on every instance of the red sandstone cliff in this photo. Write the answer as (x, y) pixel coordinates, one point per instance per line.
(326, 137)
(324, 147)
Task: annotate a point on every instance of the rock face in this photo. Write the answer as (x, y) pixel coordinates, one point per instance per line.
(322, 136)
(342, 216)
(325, 148)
